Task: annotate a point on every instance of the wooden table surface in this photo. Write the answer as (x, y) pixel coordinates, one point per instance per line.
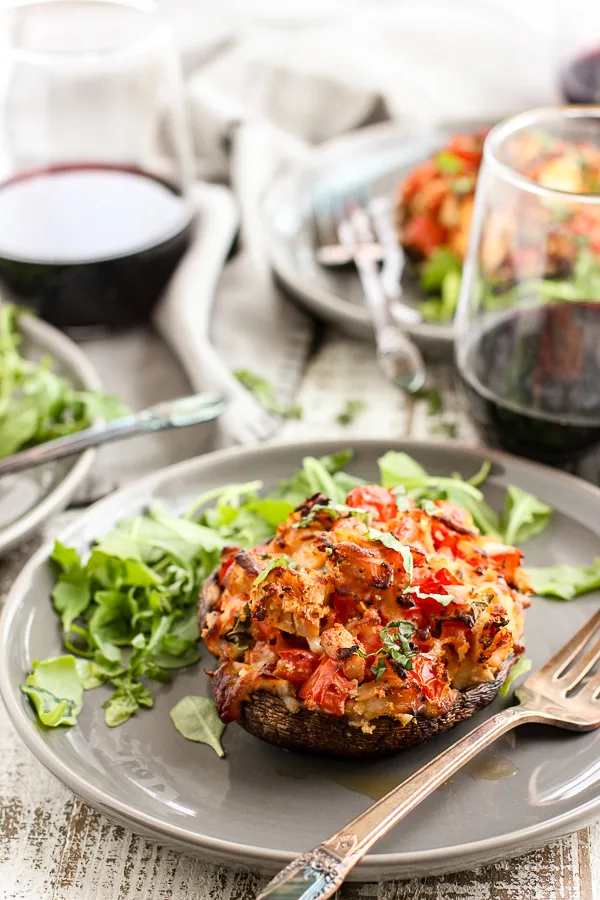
(54, 847)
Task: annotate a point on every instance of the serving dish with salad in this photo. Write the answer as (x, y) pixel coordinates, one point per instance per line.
(99, 642)
(48, 388)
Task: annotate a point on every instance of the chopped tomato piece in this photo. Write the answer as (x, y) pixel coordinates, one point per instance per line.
(328, 688)
(431, 583)
(507, 561)
(417, 177)
(344, 606)
(226, 563)
(467, 147)
(424, 235)
(379, 501)
(455, 514)
(444, 539)
(296, 665)
(425, 673)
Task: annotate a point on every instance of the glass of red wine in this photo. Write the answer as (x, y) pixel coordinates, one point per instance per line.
(95, 160)
(528, 321)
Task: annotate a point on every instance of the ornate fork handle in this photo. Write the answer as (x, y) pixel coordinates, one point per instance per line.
(317, 874)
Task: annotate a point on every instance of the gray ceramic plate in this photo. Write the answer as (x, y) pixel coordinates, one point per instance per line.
(261, 805)
(28, 499)
(377, 157)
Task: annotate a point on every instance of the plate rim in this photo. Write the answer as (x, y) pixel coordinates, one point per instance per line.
(509, 844)
(63, 350)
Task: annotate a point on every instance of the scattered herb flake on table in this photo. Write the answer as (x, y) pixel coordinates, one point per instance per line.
(265, 394)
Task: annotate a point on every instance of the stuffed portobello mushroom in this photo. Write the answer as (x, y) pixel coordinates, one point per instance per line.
(364, 628)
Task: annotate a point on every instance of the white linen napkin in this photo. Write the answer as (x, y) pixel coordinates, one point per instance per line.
(263, 91)
(242, 320)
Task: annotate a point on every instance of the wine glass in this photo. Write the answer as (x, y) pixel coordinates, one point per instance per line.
(95, 160)
(528, 319)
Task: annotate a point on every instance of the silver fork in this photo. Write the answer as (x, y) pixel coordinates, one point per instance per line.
(549, 696)
(348, 218)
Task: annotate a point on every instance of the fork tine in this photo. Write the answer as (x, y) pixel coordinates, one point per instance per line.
(591, 690)
(557, 664)
(582, 667)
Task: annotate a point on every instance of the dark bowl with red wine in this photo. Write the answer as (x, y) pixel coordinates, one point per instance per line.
(90, 245)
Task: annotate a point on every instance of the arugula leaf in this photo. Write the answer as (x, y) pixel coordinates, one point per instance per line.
(126, 701)
(397, 468)
(71, 594)
(565, 581)
(196, 718)
(55, 690)
(521, 666)
(482, 475)
(524, 516)
(272, 564)
(265, 394)
(392, 543)
(91, 675)
(351, 410)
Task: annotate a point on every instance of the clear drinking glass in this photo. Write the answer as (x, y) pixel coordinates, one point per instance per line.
(95, 160)
(528, 320)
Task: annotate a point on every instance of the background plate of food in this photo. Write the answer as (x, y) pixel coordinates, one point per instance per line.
(116, 675)
(49, 388)
(428, 177)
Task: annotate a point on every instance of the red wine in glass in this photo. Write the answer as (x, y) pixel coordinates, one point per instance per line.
(532, 381)
(581, 78)
(90, 245)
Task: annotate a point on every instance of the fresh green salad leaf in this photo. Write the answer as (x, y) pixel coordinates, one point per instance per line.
(400, 469)
(265, 394)
(55, 690)
(441, 263)
(196, 718)
(36, 404)
(521, 666)
(524, 516)
(565, 581)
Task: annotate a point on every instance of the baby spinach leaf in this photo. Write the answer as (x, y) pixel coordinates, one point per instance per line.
(196, 718)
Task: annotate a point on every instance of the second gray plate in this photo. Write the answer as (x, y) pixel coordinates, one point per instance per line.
(260, 805)
(376, 157)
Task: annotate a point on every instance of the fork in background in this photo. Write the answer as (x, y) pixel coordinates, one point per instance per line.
(565, 692)
(346, 219)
